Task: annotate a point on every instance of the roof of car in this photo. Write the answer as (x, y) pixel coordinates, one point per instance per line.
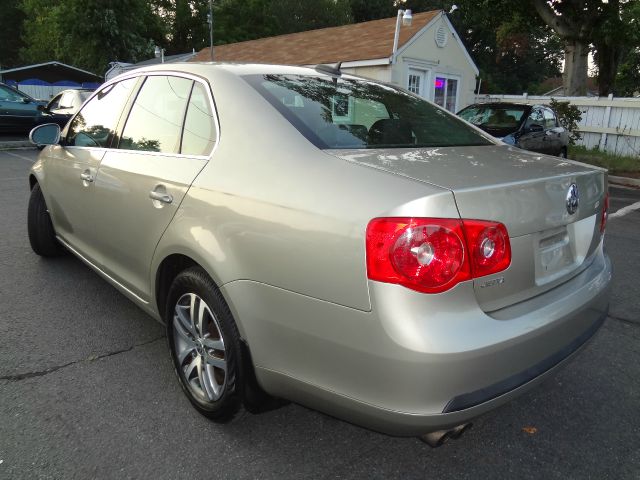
(500, 104)
(235, 68)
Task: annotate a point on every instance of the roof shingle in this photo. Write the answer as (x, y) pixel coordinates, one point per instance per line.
(358, 41)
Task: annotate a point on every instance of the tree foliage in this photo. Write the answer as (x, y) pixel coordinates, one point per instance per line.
(89, 33)
(11, 19)
(617, 49)
(365, 10)
(611, 27)
(628, 77)
(569, 116)
(514, 48)
(240, 20)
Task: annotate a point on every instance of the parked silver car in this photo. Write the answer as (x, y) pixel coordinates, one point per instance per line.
(64, 105)
(317, 237)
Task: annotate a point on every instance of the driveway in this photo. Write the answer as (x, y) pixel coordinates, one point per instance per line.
(87, 390)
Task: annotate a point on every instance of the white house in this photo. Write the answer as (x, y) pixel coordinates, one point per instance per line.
(429, 60)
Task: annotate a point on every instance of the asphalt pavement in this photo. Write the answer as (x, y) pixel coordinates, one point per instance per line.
(87, 389)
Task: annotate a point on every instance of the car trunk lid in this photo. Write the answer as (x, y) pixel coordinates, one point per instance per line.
(527, 192)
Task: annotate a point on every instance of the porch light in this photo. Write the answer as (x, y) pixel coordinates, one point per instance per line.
(404, 18)
(407, 18)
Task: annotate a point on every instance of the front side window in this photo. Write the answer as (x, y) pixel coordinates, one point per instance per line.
(155, 121)
(95, 124)
(199, 133)
(536, 117)
(355, 113)
(549, 119)
(54, 103)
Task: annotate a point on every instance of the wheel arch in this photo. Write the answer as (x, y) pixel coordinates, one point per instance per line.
(32, 181)
(170, 266)
(254, 398)
(167, 271)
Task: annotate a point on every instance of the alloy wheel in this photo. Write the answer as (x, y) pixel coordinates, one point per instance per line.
(199, 348)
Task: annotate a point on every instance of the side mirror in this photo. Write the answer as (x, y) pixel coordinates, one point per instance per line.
(25, 100)
(535, 128)
(47, 134)
(42, 108)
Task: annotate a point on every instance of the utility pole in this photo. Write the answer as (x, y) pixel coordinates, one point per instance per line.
(210, 21)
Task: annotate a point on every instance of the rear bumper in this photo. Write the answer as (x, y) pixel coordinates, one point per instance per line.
(477, 397)
(416, 363)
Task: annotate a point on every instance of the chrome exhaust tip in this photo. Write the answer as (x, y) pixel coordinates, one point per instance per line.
(440, 437)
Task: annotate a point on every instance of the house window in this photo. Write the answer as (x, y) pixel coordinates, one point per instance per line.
(416, 81)
(446, 92)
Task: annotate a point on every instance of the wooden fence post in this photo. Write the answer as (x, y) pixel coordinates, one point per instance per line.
(605, 124)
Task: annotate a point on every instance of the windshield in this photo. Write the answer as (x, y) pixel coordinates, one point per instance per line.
(10, 95)
(83, 94)
(352, 113)
(506, 117)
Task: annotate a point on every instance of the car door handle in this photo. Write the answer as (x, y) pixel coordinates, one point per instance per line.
(86, 177)
(161, 197)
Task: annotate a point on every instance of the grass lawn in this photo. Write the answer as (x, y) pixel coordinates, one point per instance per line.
(617, 165)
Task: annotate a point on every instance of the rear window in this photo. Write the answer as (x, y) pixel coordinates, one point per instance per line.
(494, 116)
(352, 113)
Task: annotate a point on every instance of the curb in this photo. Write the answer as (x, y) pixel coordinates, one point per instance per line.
(17, 144)
(626, 181)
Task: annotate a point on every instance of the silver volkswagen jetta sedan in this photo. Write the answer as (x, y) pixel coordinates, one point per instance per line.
(318, 237)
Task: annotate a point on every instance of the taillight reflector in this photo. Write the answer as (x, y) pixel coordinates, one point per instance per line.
(604, 214)
(432, 255)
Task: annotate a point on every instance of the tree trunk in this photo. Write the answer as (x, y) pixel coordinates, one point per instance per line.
(608, 59)
(575, 68)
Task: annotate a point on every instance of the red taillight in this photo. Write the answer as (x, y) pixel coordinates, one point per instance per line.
(489, 246)
(604, 214)
(432, 255)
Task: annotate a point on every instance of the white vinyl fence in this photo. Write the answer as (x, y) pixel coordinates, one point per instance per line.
(611, 124)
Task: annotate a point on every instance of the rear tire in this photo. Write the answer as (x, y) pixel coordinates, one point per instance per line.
(204, 345)
(42, 236)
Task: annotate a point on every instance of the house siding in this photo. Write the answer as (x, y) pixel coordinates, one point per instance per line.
(381, 73)
(423, 53)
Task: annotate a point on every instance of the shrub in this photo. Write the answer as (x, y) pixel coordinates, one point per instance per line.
(568, 116)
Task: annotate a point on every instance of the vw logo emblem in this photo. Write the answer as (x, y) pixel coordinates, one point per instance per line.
(572, 199)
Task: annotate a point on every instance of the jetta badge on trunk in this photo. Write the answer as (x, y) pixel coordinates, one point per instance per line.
(572, 199)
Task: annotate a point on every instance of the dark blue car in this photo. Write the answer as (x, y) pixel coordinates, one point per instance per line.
(18, 111)
(530, 127)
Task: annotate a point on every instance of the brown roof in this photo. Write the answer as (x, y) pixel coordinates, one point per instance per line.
(358, 41)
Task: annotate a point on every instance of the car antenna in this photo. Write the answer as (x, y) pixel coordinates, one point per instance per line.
(330, 69)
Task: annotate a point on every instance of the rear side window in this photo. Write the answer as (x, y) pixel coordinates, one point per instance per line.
(67, 100)
(95, 124)
(354, 113)
(199, 126)
(155, 121)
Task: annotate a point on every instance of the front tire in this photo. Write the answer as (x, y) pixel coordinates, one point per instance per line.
(42, 236)
(563, 153)
(204, 344)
